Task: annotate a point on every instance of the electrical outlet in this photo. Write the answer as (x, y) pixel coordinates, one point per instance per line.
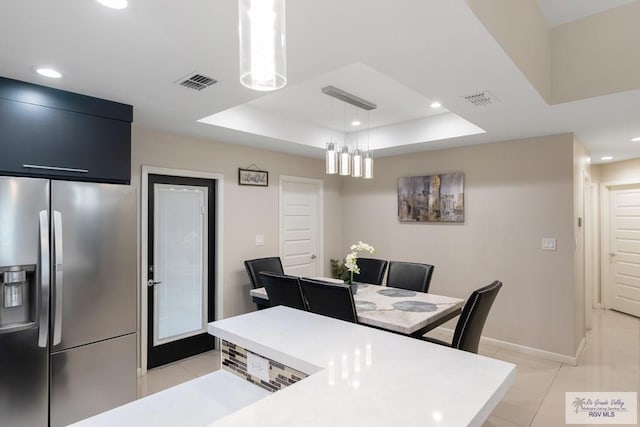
(259, 239)
(258, 366)
(548, 243)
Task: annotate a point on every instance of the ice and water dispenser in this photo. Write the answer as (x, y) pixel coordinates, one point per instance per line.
(18, 296)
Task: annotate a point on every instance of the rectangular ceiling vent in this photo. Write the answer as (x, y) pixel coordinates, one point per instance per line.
(482, 98)
(196, 81)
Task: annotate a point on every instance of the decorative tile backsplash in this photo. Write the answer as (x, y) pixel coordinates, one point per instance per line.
(234, 360)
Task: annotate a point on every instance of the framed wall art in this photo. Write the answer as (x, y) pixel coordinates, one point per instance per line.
(253, 177)
(431, 198)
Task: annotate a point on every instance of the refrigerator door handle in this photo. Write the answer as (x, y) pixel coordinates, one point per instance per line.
(58, 282)
(45, 275)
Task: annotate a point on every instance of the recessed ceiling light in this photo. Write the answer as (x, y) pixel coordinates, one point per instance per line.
(436, 104)
(48, 72)
(636, 139)
(355, 123)
(114, 4)
(606, 158)
(588, 159)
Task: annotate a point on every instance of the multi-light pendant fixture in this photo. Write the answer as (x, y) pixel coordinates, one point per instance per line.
(339, 159)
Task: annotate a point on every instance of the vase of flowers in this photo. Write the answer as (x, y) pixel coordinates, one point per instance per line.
(351, 260)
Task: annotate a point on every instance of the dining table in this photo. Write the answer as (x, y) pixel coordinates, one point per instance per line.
(402, 311)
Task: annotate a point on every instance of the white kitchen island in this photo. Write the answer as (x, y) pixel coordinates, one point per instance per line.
(357, 376)
(360, 376)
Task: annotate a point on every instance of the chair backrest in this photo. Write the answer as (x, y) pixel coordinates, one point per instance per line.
(410, 275)
(471, 322)
(256, 266)
(283, 290)
(328, 299)
(371, 270)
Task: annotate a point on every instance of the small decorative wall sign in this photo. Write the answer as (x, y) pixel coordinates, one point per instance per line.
(255, 176)
(431, 198)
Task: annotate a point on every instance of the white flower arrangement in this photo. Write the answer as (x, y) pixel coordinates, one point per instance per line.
(351, 260)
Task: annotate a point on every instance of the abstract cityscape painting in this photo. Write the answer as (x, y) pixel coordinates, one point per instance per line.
(431, 198)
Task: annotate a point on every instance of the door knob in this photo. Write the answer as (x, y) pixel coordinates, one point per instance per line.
(150, 283)
(313, 256)
(612, 254)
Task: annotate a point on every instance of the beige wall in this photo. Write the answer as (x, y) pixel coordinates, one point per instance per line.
(596, 55)
(618, 172)
(515, 194)
(520, 28)
(247, 210)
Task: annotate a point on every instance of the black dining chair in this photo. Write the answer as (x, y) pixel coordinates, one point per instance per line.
(410, 275)
(371, 270)
(471, 322)
(255, 266)
(329, 299)
(283, 290)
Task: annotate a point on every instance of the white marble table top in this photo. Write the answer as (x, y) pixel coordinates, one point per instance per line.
(362, 376)
(394, 309)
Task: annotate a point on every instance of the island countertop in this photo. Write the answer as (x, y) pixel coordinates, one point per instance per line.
(362, 376)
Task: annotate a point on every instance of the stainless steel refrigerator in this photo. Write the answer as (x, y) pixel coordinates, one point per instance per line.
(67, 300)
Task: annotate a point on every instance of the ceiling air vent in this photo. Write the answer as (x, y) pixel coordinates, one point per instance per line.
(196, 81)
(482, 98)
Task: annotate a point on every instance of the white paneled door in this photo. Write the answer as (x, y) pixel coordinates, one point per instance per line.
(300, 224)
(625, 249)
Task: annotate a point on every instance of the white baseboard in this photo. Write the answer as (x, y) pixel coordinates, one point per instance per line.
(544, 354)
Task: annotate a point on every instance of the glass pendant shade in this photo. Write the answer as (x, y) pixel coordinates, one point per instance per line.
(263, 48)
(345, 161)
(356, 171)
(368, 166)
(332, 159)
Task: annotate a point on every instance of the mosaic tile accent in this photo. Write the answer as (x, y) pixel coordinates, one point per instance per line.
(234, 360)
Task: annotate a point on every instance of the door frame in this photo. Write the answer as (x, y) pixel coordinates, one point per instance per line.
(144, 250)
(319, 214)
(605, 208)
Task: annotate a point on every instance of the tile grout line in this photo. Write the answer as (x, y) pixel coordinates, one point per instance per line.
(555, 377)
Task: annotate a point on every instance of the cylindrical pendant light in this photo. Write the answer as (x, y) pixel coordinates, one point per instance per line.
(332, 159)
(345, 161)
(368, 166)
(263, 48)
(357, 164)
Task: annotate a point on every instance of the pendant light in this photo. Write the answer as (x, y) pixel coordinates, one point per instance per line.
(345, 161)
(356, 162)
(368, 160)
(345, 155)
(332, 158)
(263, 48)
(359, 163)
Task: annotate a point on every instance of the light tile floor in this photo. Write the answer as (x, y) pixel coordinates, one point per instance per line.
(176, 373)
(610, 362)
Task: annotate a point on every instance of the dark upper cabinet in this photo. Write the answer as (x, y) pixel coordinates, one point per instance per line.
(46, 132)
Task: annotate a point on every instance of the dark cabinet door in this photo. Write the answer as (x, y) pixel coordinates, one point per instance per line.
(54, 143)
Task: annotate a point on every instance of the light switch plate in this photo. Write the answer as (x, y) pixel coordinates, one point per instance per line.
(259, 239)
(548, 243)
(258, 366)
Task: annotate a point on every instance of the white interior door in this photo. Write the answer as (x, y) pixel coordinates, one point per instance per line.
(300, 237)
(624, 257)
